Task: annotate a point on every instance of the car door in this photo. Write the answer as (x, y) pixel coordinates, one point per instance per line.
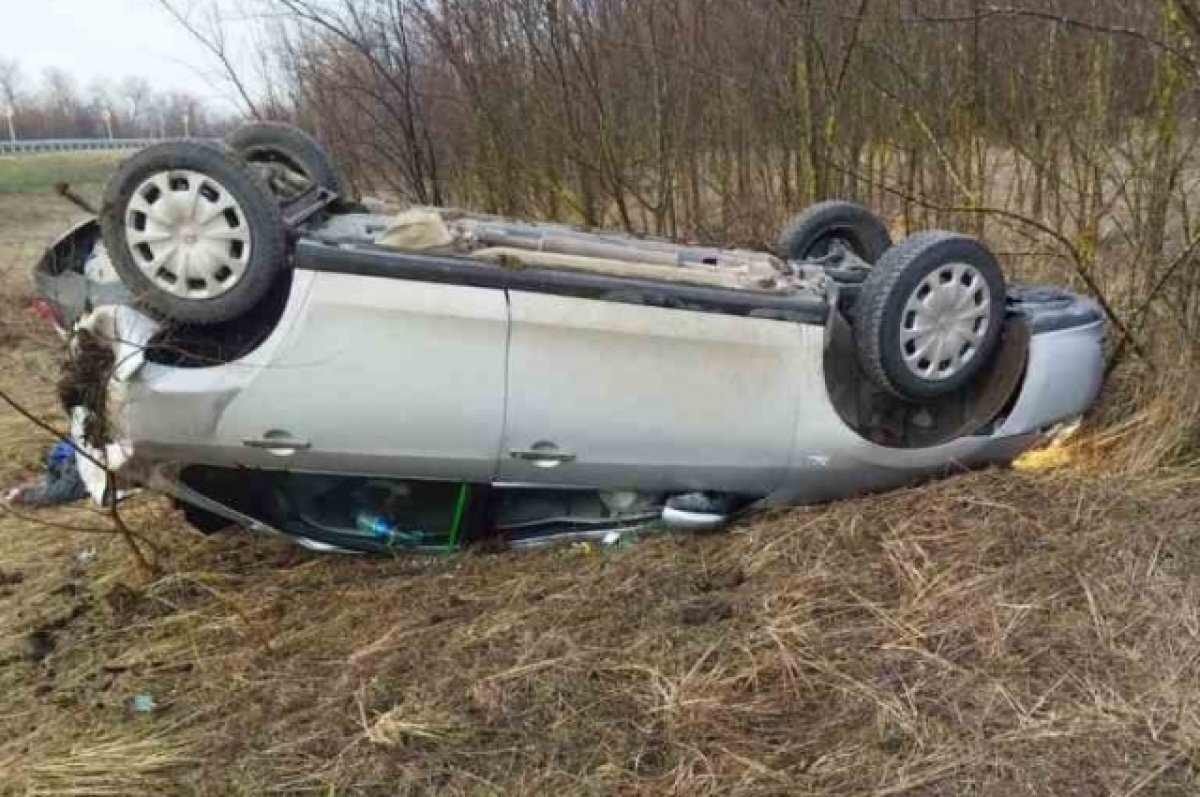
(384, 377)
(624, 396)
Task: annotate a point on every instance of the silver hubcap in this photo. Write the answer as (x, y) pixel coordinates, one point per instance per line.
(945, 320)
(188, 235)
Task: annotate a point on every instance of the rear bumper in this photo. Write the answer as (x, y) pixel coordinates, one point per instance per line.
(1062, 379)
(1065, 368)
(1063, 376)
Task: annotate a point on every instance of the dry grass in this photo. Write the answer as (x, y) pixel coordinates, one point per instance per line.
(1001, 633)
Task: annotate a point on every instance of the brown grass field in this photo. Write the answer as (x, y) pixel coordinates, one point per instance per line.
(1025, 632)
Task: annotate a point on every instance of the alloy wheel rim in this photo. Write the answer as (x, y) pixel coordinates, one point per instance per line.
(945, 321)
(188, 234)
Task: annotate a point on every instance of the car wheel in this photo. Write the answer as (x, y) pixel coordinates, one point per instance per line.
(826, 226)
(195, 237)
(929, 316)
(289, 160)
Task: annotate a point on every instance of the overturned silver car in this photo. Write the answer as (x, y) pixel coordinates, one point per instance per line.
(276, 356)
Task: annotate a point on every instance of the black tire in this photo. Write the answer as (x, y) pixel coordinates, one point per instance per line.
(883, 314)
(259, 221)
(811, 234)
(271, 145)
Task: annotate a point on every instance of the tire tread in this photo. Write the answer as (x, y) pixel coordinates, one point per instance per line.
(804, 229)
(291, 141)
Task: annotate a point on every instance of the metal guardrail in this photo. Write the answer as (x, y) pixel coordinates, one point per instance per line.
(73, 145)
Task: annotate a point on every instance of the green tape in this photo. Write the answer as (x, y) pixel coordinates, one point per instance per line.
(459, 509)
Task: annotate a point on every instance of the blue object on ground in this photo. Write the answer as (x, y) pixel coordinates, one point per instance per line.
(59, 484)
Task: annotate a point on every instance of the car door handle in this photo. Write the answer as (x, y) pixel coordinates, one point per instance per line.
(542, 457)
(277, 443)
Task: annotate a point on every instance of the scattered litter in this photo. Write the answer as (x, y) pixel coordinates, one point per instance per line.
(59, 484)
(1057, 454)
(85, 556)
(620, 540)
(142, 703)
(585, 547)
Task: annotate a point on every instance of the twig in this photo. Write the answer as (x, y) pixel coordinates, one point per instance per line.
(60, 436)
(1063, 241)
(214, 42)
(110, 479)
(63, 189)
(7, 508)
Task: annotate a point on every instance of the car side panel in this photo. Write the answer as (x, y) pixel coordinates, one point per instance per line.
(649, 398)
(385, 377)
(375, 377)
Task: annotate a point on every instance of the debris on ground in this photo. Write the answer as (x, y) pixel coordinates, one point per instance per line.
(60, 483)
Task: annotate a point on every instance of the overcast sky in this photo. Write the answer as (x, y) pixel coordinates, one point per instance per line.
(109, 40)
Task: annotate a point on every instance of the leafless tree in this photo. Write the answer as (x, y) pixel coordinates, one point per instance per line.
(205, 24)
(136, 93)
(54, 107)
(10, 81)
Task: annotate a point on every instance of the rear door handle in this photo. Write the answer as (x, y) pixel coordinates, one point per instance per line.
(542, 455)
(277, 442)
(290, 445)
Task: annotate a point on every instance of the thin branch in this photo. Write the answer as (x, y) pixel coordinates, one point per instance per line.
(1062, 240)
(214, 42)
(114, 514)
